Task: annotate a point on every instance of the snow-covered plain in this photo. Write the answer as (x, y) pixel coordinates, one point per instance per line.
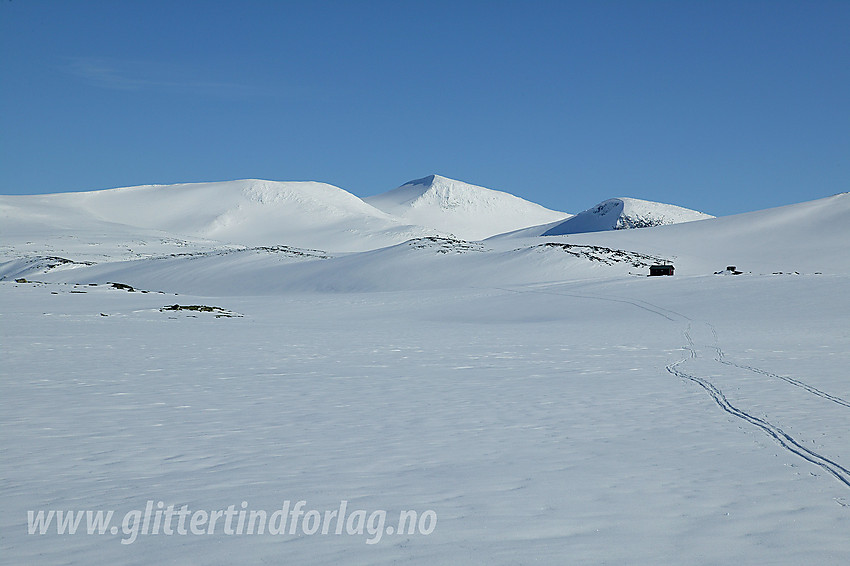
(544, 398)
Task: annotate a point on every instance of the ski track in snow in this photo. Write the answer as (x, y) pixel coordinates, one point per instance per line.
(785, 440)
(720, 356)
(649, 307)
(780, 436)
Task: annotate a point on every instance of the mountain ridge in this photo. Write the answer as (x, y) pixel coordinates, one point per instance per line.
(311, 214)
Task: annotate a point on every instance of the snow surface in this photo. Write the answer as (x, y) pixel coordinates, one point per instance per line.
(463, 210)
(545, 398)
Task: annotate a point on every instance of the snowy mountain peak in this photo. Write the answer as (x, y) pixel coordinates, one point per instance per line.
(624, 213)
(436, 180)
(468, 211)
(426, 181)
(436, 190)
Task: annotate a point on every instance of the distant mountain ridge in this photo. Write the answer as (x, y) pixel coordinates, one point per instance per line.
(806, 238)
(314, 215)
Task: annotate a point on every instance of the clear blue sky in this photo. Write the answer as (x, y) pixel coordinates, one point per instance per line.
(720, 106)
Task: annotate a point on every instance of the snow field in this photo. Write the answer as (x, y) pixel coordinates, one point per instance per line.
(548, 401)
(539, 423)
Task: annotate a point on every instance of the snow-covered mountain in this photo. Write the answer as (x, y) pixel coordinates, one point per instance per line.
(247, 212)
(617, 214)
(256, 212)
(261, 236)
(467, 211)
(312, 215)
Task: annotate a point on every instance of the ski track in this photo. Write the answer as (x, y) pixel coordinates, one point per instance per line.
(654, 309)
(720, 356)
(841, 473)
(785, 440)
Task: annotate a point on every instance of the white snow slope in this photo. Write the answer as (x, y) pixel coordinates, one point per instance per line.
(247, 212)
(547, 401)
(616, 214)
(463, 210)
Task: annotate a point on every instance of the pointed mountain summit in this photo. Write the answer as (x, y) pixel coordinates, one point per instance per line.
(616, 214)
(467, 211)
(624, 213)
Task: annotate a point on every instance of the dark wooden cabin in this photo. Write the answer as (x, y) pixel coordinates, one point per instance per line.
(660, 270)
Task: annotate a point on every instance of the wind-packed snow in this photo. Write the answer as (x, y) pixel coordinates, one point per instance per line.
(463, 210)
(543, 397)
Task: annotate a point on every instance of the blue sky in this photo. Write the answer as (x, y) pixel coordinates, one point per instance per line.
(721, 106)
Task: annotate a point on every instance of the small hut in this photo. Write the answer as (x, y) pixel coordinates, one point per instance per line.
(655, 270)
